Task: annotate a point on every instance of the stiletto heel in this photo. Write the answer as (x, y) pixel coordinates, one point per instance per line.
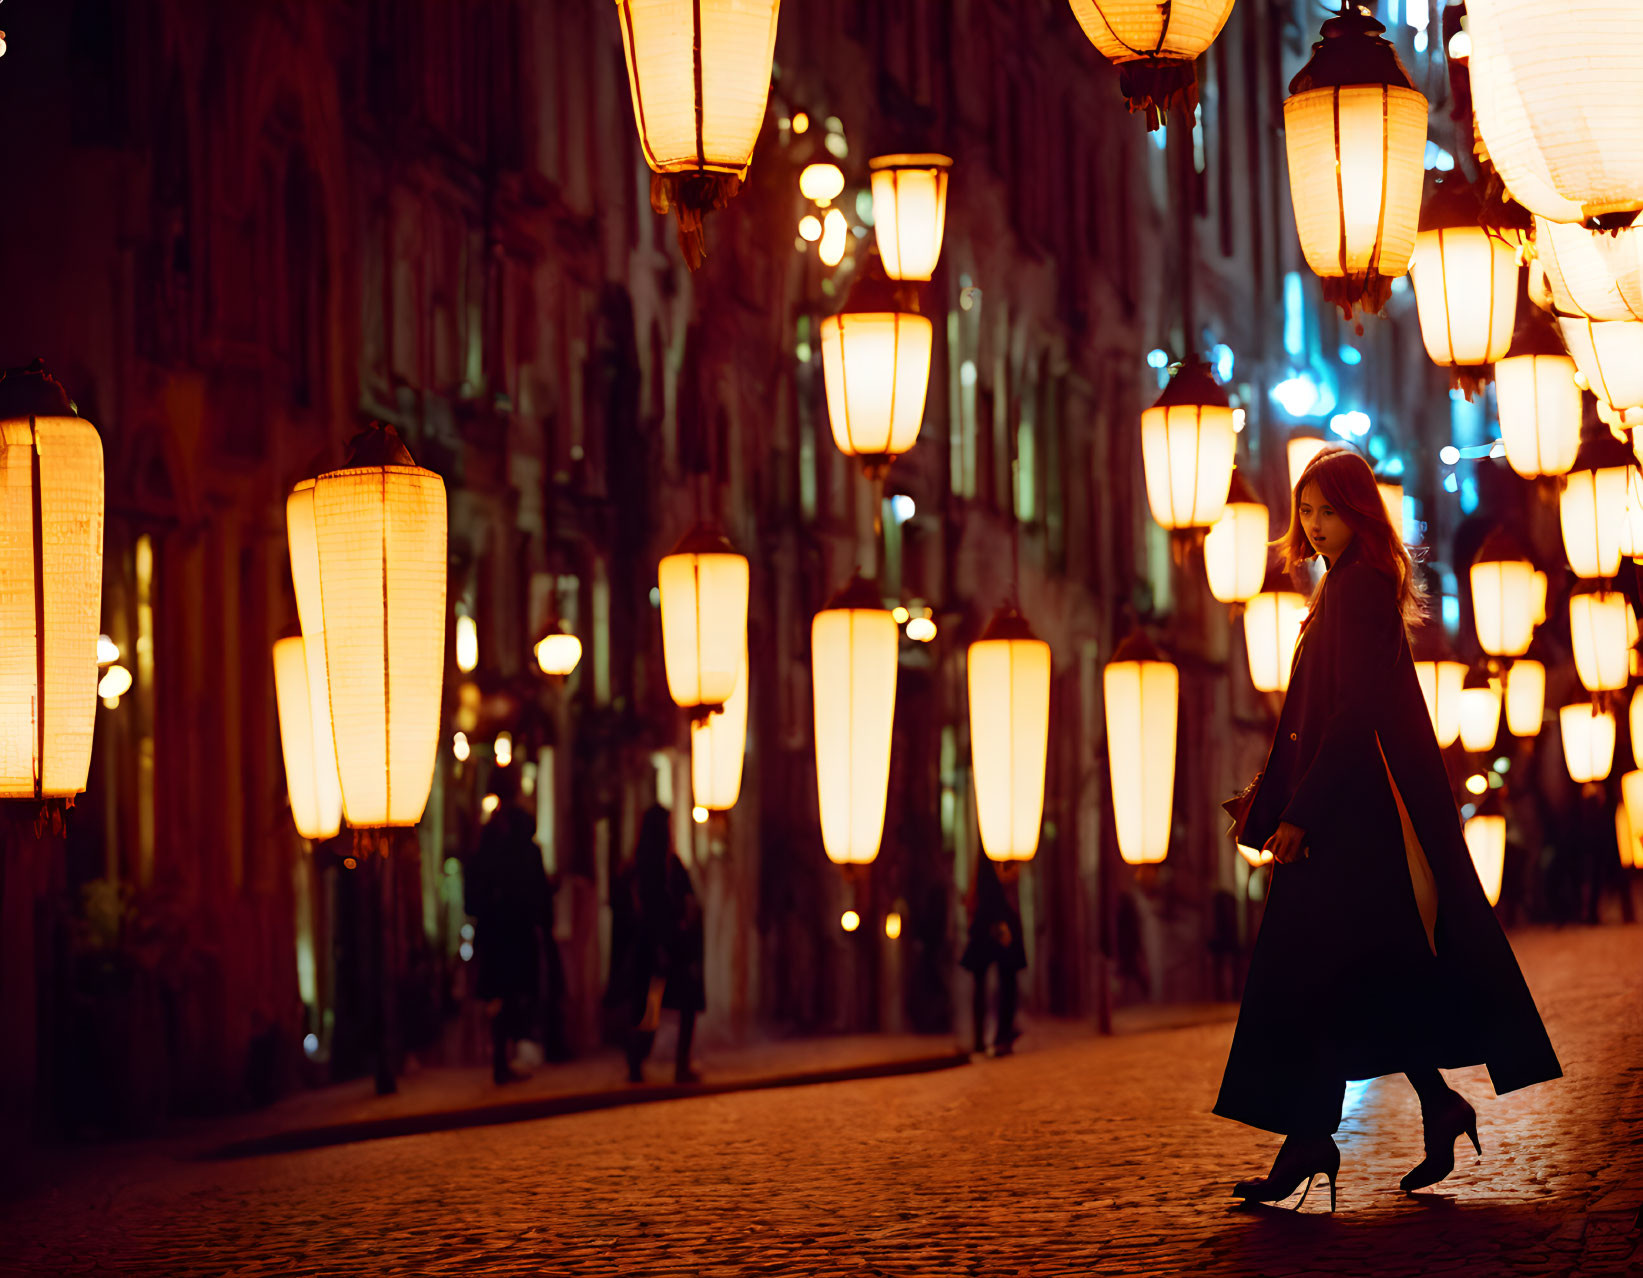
(1295, 1165)
(1472, 1131)
(1441, 1132)
(1331, 1193)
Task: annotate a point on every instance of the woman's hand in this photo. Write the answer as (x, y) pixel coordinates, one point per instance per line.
(1287, 844)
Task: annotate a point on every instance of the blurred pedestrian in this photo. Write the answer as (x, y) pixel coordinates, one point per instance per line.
(656, 948)
(507, 893)
(994, 942)
(1378, 952)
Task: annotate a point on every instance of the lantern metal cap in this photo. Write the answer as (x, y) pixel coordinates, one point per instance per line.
(1007, 623)
(1535, 334)
(859, 592)
(1350, 50)
(1193, 383)
(33, 392)
(1239, 493)
(1450, 201)
(1137, 647)
(1600, 450)
(875, 293)
(1501, 547)
(910, 161)
(378, 444)
(1476, 677)
(706, 538)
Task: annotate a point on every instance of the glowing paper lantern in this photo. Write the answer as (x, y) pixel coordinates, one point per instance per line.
(1187, 445)
(1635, 722)
(853, 644)
(1598, 632)
(909, 212)
(1629, 820)
(703, 584)
(310, 754)
(1355, 131)
(1525, 697)
(1302, 448)
(467, 644)
(557, 653)
(699, 71)
(1558, 97)
(1143, 692)
(876, 368)
(1486, 841)
(1465, 284)
(1154, 47)
(1009, 670)
(1592, 508)
(1441, 684)
(380, 526)
(1235, 548)
(1540, 598)
(51, 548)
(1588, 741)
(1538, 400)
(1503, 596)
(717, 744)
(1479, 715)
(1609, 355)
(1272, 628)
(1595, 274)
(821, 182)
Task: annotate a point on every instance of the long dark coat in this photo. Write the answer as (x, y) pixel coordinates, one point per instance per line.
(507, 893)
(656, 931)
(1343, 983)
(995, 926)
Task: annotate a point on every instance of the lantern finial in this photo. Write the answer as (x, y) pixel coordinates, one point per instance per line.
(32, 392)
(378, 444)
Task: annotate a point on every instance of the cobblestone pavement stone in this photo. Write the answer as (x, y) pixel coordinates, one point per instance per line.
(1097, 1157)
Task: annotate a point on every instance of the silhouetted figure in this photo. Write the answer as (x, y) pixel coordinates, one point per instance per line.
(656, 947)
(507, 893)
(995, 941)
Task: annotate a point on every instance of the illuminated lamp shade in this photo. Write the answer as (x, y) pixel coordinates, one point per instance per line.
(876, 370)
(1635, 722)
(1154, 47)
(1558, 92)
(381, 533)
(909, 212)
(1009, 677)
(853, 647)
(1503, 596)
(699, 71)
(1598, 632)
(821, 182)
(1525, 697)
(1272, 628)
(1629, 820)
(1537, 399)
(1300, 451)
(1465, 284)
(1441, 685)
(1486, 841)
(1588, 741)
(1355, 131)
(51, 546)
(1235, 548)
(1187, 444)
(467, 644)
(1592, 508)
(717, 744)
(1143, 693)
(1595, 274)
(1479, 714)
(557, 653)
(310, 754)
(1609, 355)
(1392, 498)
(703, 584)
(1540, 597)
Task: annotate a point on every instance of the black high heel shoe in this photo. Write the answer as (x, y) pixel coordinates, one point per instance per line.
(1296, 1162)
(1441, 1132)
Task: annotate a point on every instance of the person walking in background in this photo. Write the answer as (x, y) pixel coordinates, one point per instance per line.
(994, 941)
(1378, 952)
(656, 948)
(506, 892)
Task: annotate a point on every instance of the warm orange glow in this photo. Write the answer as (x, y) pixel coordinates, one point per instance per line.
(1539, 406)
(1187, 445)
(1599, 633)
(309, 752)
(1595, 274)
(1486, 841)
(717, 744)
(910, 212)
(1441, 683)
(1272, 628)
(1592, 509)
(1009, 684)
(1465, 294)
(703, 584)
(1256, 857)
(853, 647)
(1301, 450)
(1479, 719)
(1588, 741)
(1525, 697)
(1235, 548)
(1609, 355)
(1143, 705)
(876, 369)
(835, 238)
(558, 653)
(821, 182)
(1392, 498)
(1503, 599)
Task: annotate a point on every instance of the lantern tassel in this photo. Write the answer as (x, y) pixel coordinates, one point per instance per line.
(692, 196)
(1157, 86)
(1469, 379)
(1367, 292)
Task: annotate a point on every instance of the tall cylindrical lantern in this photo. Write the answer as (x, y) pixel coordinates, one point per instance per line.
(1592, 509)
(909, 212)
(1272, 629)
(1588, 741)
(1609, 355)
(1503, 596)
(1479, 714)
(1629, 828)
(703, 585)
(380, 526)
(1143, 693)
(1009, 669)
(717, 745)
(1558, 92)
(1154, 47)
(1465, 284)
(1595, 274)
(51, 545)
(1538, 401)
(1441, 683)
(1187, 443)
(876, 370)
(1540, 597)
(1525, 697)
(302, 541)
(1235, 548)
(1634, 720)
(699, 71)
(853, 654)
(305, 742)
(1598, 633)
(1355, 130)
(1486, 841)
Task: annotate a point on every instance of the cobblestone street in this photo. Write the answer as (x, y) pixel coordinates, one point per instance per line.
(1098, 1157)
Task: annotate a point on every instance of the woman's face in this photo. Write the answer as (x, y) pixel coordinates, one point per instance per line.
(1324, 528)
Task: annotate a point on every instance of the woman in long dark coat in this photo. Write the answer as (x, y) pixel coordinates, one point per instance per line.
(1378, 951)
(994, 938)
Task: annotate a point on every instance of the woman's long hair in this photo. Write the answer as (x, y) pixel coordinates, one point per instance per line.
(1346, 483)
